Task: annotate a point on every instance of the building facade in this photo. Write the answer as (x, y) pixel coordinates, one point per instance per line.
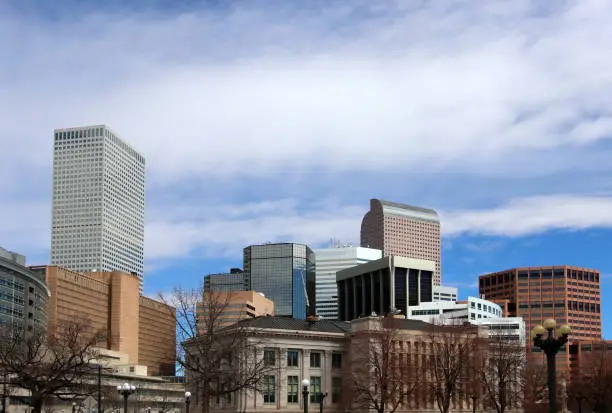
(390, 284)
(98, 202)
(23, 293)
(443, 293)
(403, 230)
(142, 328)
(235, 280)
(328, 262)
(229, 307)
(285, 273)
(473, 309)
(570, 295)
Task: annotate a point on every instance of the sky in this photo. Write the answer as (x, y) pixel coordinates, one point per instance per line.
(278, 121)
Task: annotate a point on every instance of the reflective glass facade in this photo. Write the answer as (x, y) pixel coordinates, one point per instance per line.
(285, 273)
(23, 293)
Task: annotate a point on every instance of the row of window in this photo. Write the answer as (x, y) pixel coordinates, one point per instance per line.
(293, 359)
(293, 389)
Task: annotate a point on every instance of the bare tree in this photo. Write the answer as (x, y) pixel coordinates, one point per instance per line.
(534, 387)
(217, 357)
(501, 371)
(451, 348)
(593, 382)
(382, 378)
(47, 364)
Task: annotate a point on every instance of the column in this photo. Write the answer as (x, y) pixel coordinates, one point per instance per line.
(326, 386)
(282, 379)
(305, 372)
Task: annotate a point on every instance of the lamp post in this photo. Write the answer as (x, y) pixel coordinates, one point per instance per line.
(321, 397)
(73, 407)
(187, 401)
(474, 398)
(305, 385)
(551, 346)
(126, 390)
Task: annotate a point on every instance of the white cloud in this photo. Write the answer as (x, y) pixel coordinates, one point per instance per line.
(365, 87)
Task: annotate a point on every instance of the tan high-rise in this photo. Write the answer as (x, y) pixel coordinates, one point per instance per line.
(142, 328)
(403, 230)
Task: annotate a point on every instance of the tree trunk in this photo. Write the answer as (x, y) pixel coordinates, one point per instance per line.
(36, 403)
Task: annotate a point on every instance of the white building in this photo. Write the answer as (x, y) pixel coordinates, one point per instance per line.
(442, 293)
(328, 262)
(471, 310)
(98, 202)
(510, 328)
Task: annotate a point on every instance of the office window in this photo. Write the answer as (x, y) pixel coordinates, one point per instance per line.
(292, 389)
(336, 389)
(269, 357)
(315, 360)
(336, 360)
(315, 389)
(292, 358)
(269, 389)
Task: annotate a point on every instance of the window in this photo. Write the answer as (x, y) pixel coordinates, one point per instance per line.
(336, 360)
(269, 389)
(269, 357)
(315, 360)
(315, 389)
(292, 389)
(292, 358)
(336, 389)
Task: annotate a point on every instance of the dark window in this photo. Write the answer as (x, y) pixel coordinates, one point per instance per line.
(269, 357)
(315, 389)
(336, 360)
(336, 389)
(315, 360)
(292, 389)
(269, 389)
(293, 358)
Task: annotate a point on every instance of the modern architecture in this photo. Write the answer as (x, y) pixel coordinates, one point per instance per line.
(443, 293)
(23, 293)
(235, 280)
(403, 230)
(472, 309)
(328, 262)
(98, 202)
(390, 284)
(285, 273)
(140, 327)
(229, 307)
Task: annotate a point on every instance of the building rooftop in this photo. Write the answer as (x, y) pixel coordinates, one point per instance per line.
(411, 211)
(286, 323)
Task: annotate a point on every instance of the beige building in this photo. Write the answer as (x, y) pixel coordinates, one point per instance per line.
(236, 306)
(141, 328)
(404, 230)
(327, 353)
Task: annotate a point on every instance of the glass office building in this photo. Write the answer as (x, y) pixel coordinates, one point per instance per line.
(23, 293)
(285, 273)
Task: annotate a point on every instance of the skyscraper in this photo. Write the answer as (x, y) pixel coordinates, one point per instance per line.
(98, 202)
(328, 262)
(403, 230)
(285, 273)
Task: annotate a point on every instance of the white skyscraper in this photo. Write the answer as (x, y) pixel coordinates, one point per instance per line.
(328, 262)
(98, 202)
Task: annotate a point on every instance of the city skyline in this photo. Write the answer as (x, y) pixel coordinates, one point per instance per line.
(268, 132)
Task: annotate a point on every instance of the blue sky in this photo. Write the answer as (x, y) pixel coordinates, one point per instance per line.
(278, 121)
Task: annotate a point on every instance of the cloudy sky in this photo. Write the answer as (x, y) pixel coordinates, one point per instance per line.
(279, 120)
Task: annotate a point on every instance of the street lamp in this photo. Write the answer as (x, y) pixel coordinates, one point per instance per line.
(73, 407)
(187, 401)
(126, 390)
(321, 397)
(305, 385)
(551, 346)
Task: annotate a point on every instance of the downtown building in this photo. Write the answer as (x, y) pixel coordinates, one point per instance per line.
(403, 230)
(328, 262)
(98, 202)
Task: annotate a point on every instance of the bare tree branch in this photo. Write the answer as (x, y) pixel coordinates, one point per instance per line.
(593, 382)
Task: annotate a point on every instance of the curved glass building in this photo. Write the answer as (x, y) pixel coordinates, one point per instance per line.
(23, 293)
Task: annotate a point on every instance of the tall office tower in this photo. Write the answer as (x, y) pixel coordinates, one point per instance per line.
(570, 295)
(98, 202)
(285, 273)
(403, 230)
(328, 262)
(235, 280)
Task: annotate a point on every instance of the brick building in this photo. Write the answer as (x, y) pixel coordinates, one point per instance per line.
(141, 328)
(403, 230)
